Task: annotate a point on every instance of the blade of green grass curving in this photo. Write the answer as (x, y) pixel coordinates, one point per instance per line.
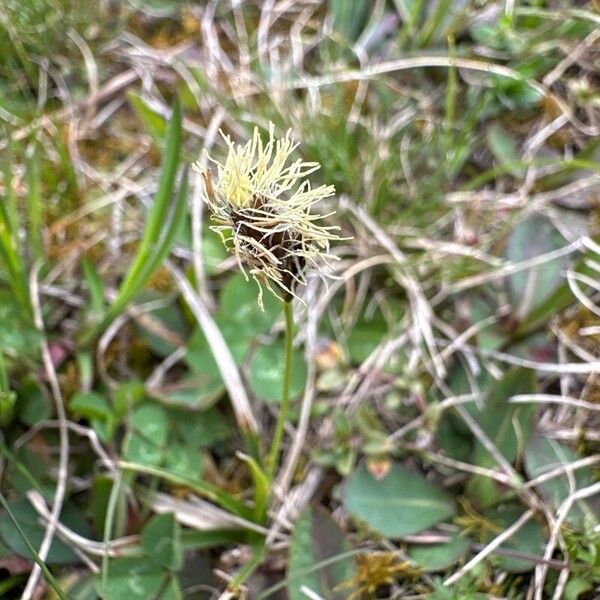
(202, 488)
(15, 269)
(162, 225)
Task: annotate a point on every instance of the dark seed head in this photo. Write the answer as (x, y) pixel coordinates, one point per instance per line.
(284, 245)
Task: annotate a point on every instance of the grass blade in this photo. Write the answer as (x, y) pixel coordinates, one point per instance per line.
(48, 576)
(160, 231)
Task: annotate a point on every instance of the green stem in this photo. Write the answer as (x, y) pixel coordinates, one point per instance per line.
(285, 397)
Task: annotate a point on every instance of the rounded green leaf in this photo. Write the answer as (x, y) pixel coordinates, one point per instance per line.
(239, 303)
(438, 557)
(161, 539)
(183, 460)
(150, 420)
(149, 430)
(132, 578)
(90, 405)
(400, 503)
(266, 372)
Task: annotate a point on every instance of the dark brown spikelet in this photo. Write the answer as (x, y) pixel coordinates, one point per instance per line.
(284, 245)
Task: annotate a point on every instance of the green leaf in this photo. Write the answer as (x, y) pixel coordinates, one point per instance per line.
(491, 337)
(438, 557)
(238, 302)
(201, 429)
(530, 288)
(95, 286)
(34, 204)
(213, 251)
(146, 443)
(542, 455)
(349, 17)
(90, 405)
(200, 540)
(31, 550)
(172, 591)
(164, 328)
(529, 539)
(165, 219)
(161, 540)
(317, 537)
(208, 490)
(400, 503)
(132, 579)
(82, 589)
(32, 404)
(99, 499)
(261, 487)
(365, 336)
(509, 427)
(8, 400)
(497, 416)
(141, 450)
(184, 460)
(154, 123)
(29, 470)
(12, 262)
(266, 372)
(576, 587)
(454, 437)
(151, 421)
(126, 396)
(18, 332)
(505, 151)
(28, 519)
(240, 320)
(560, 298)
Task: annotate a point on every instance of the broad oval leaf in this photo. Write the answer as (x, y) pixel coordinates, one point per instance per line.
(401, 503)
(437, 557)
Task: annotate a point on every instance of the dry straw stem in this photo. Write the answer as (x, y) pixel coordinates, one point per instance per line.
(63, 460)
(114, 548)
(404, 64)
(553, 399)
(489, 549)
(562, 513)
(227, 368)
(198, 514)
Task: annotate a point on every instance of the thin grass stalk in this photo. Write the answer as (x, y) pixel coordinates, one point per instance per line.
(8, 252)
(285, 396)
(34, 202)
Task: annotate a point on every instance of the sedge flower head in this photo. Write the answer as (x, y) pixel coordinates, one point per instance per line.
(262, 206)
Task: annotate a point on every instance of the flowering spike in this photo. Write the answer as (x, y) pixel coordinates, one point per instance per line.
(261, 205)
